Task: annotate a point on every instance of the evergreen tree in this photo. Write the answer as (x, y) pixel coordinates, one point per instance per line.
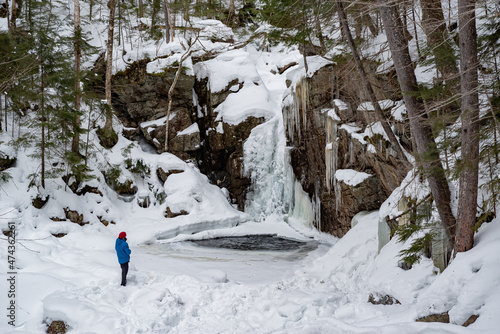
(47, 95)
(298, 22)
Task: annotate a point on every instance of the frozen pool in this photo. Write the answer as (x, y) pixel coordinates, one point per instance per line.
(249, 259)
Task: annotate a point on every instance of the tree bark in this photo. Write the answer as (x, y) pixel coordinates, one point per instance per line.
(428, 154)
(1, 112)
(169, 33)
(467, 201)
(434, 26)
(78, 56)
(109, 63)
(368, 87)
(42, 113)
(14, 14)
(231, 14)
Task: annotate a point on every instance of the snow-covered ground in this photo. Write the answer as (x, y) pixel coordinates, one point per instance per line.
(188, 289)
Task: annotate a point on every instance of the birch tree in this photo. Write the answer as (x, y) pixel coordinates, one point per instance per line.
(109, 137)
(183, 58)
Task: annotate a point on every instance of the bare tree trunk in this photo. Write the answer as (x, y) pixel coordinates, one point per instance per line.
(78, 56)
(304, 22)
(434, 27)
(8, 17)
(171, 91)
(141, 9)
(14, 14)
(422, 132)
(317, 22)
(415, 29)
(42, 144)
(109, 62)
(88, 135)
(368, 87)
(169, 29)
(1, 113)
(231, 14)
(6, 119)
(367, 19)
(467, 201)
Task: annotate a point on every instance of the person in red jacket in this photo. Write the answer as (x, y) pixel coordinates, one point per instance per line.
(123, 253)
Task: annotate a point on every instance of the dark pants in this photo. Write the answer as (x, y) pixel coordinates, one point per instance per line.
(124, 272)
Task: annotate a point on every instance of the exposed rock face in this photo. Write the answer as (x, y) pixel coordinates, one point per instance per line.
(39, 201)
(163, 175)
(74, 217)
(170, 214)
(197, 132)
(222, 152)
(142, 96)
(6, 161)
(141, 100)
(57, 327)
(321, 146)
(440, 317)
(378, 299)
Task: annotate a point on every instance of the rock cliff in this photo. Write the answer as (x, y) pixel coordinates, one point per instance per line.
(326, 127)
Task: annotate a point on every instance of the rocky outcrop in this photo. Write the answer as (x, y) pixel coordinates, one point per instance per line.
(39, 201)
(6, 161)
(198, 133)
(223, 149)
(141, 101)
(380, 299)
(57, 327)
(327, 135)
(74, 217)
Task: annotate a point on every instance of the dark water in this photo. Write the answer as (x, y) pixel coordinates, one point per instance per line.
(257, 242)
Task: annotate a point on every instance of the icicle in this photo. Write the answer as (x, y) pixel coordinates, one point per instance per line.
(317, 205)
(338, 194)
(351, 152)
(302, 207)
(303, 100)
(440, 248)
(331, 151)
(296, 109)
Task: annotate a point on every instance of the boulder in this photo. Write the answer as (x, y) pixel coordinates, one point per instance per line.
(163, 175)
(439, 317)
(379, 299)
(57, 327)
(6, 161)
(170, 214)
(74, 217)
(39, 201)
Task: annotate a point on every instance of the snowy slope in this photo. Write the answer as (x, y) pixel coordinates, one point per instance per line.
(326, 295)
